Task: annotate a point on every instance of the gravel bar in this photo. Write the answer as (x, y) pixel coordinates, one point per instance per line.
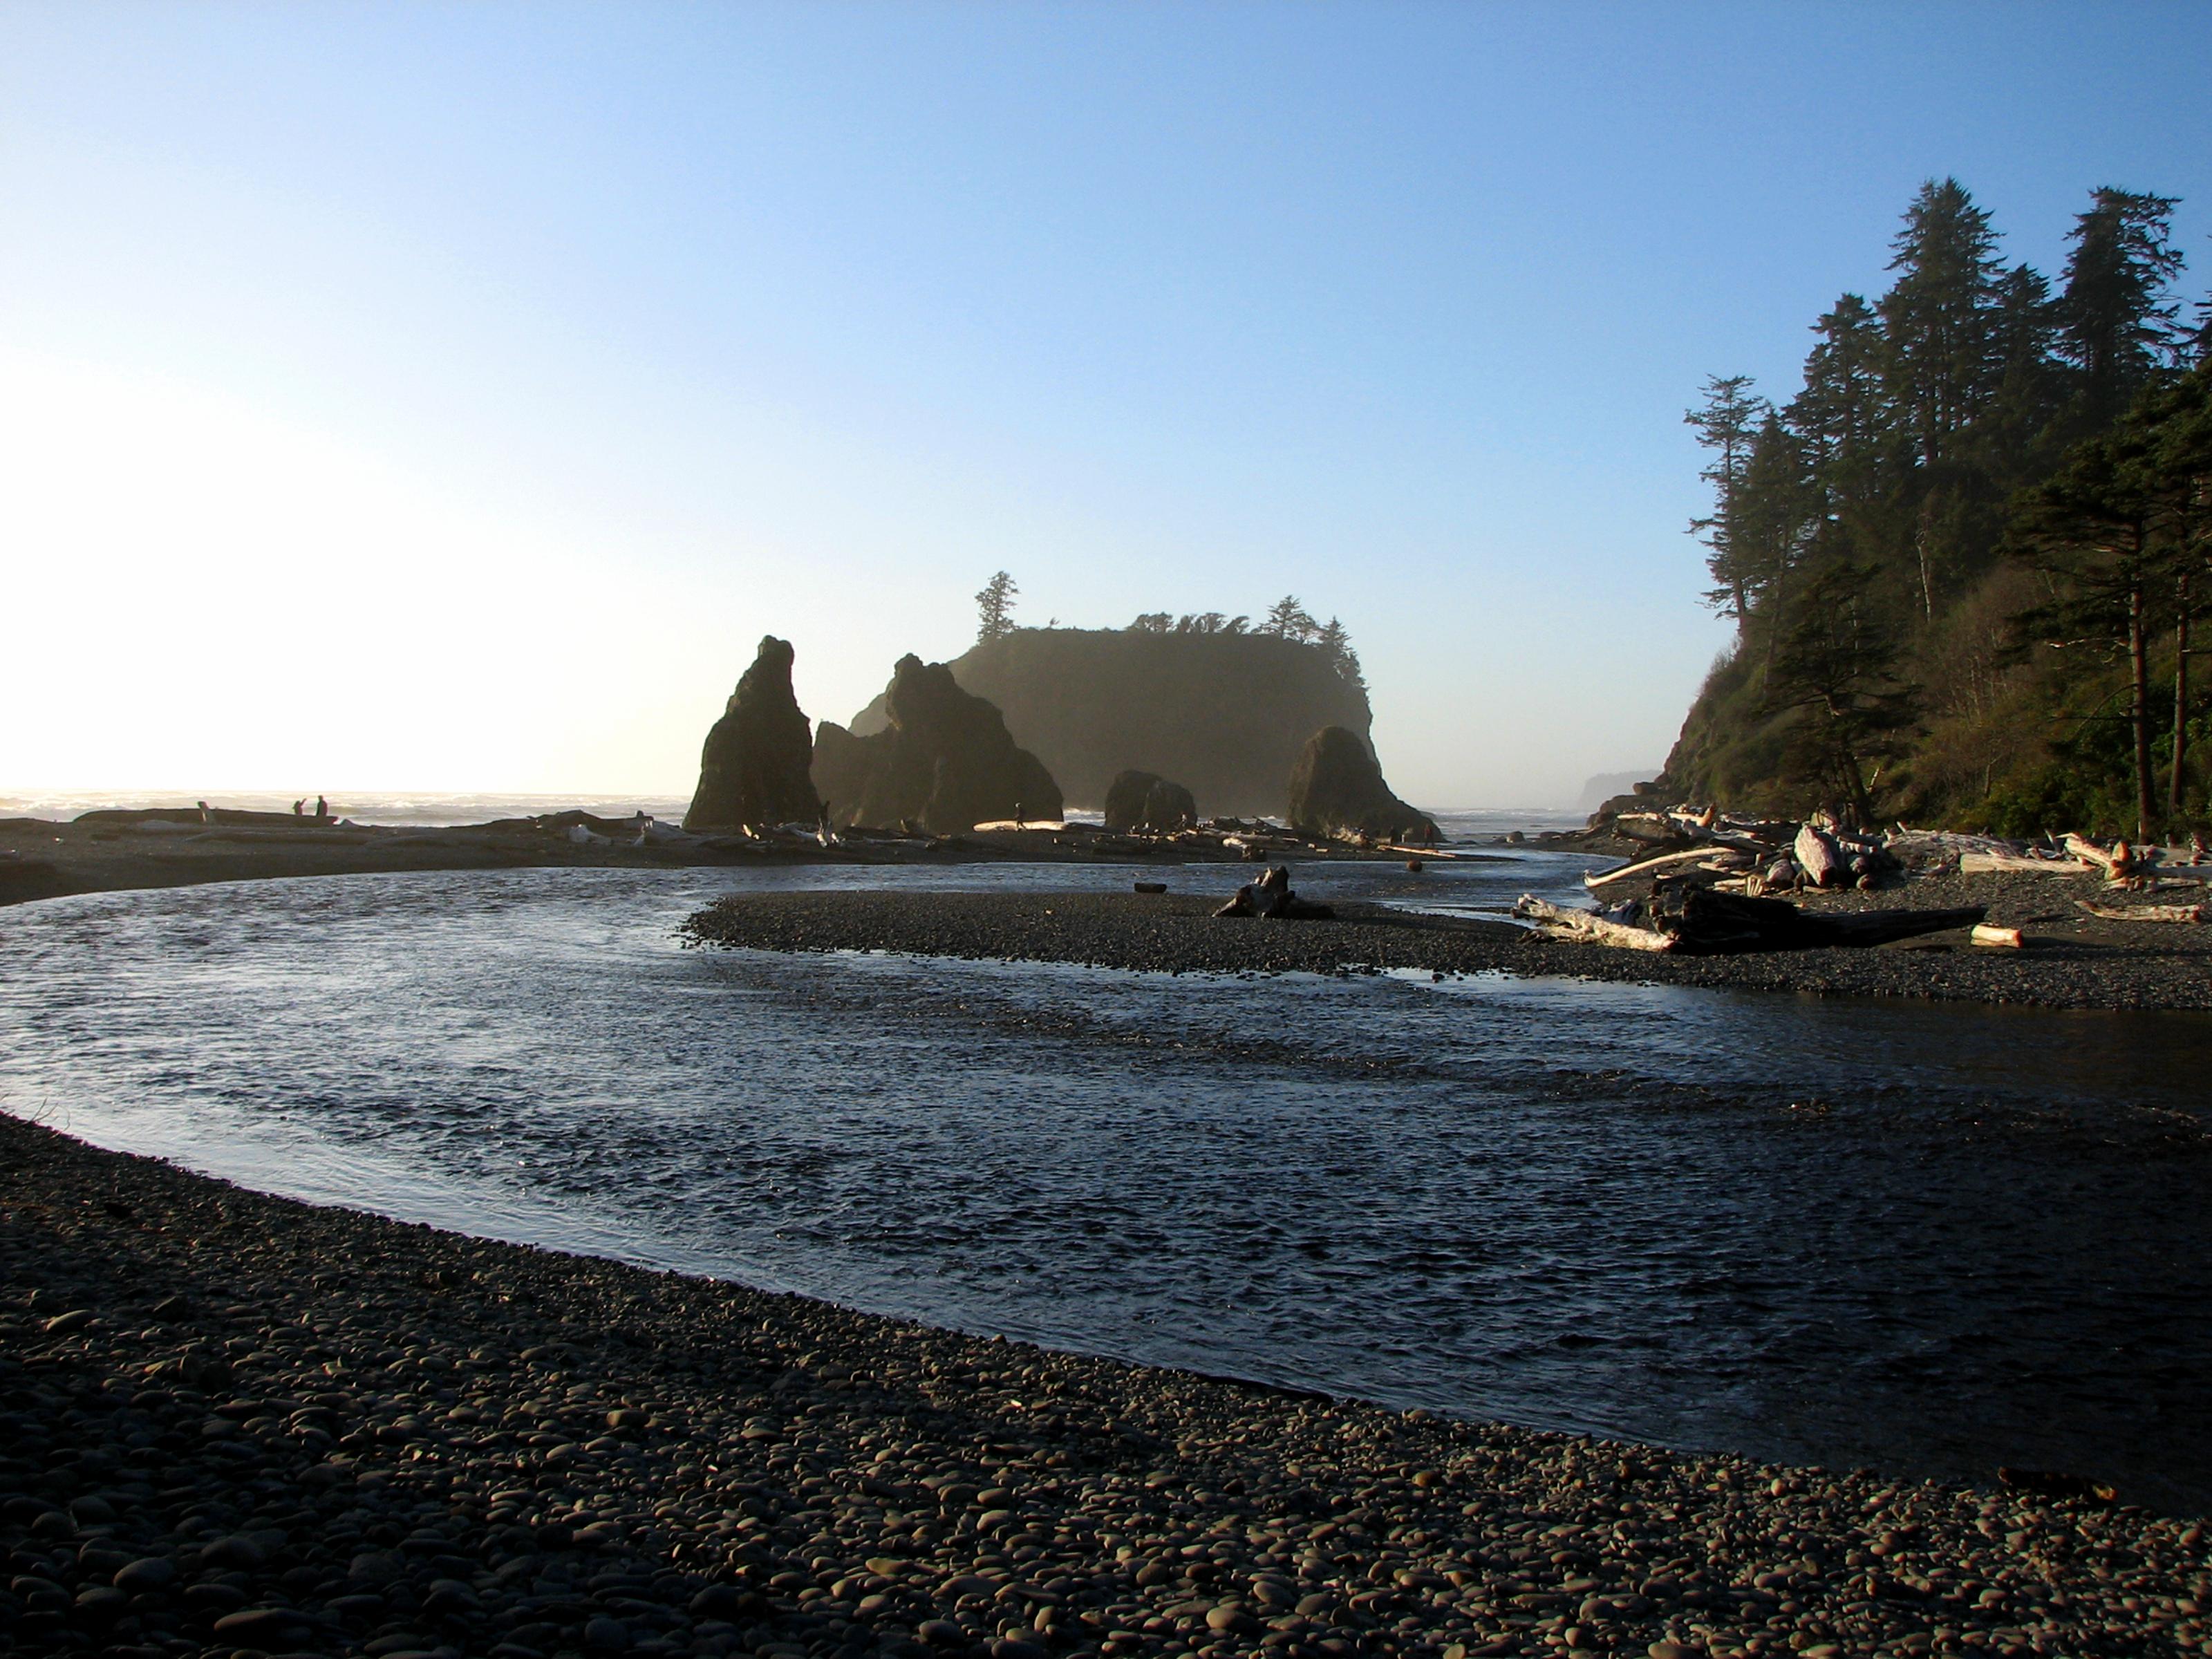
(2073, 961)
(241, 1425)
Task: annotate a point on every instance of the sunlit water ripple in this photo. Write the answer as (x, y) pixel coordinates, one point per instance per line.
(1927, 1238)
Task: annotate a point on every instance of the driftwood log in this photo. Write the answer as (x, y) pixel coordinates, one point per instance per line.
(1985, 864)
(2148, 912)
(2120, 866)
(1690, 920)
(1665, 863)
(1271, 897)
(1710, 923)
(1819, 856)
(1556, 922)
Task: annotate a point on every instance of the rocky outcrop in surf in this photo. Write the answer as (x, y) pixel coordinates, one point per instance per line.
(756, 766)
(1337, 789)
(1142, 800)
(943, 761)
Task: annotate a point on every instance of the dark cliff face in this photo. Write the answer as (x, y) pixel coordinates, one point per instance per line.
(1225, 714)
(1337, 789)
(942, 759)
(755, 767)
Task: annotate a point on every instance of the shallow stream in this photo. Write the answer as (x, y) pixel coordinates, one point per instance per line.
(1932, 1239)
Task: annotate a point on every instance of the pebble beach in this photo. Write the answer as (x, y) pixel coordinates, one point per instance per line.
(240, 1424)
(2071, 960)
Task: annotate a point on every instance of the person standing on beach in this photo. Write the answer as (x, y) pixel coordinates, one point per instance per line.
(300, 807)
(322, 806)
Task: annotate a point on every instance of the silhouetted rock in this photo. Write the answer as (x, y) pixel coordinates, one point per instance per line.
(943, 761)
(1337, 789)
(1224, 714)
(756, 768)
(1142, 800)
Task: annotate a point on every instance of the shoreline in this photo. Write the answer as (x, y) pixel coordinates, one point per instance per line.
(45, 859)
(2073, 961)
(314, 1430)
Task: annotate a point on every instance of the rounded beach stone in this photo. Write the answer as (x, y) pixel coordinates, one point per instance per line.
(147, 1575)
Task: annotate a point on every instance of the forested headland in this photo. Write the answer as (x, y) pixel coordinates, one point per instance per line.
(1968, 558)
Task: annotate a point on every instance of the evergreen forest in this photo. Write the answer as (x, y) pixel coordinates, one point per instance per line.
(1967, 558)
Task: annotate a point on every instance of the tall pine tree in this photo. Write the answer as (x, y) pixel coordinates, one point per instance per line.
(1726, 423)
(2119, 322)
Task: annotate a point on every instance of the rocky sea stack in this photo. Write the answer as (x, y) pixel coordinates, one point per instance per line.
(943, 760)
(755, 767)
(1223, 714)
(1337, 789)
(1141, 801)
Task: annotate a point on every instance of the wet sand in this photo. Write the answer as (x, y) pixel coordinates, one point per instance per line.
(2072, 961)
(240, 1423)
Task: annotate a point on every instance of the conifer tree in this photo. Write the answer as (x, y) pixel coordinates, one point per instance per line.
(2119, 323)
(1725, 423)
(996, 604)
(1287, 619)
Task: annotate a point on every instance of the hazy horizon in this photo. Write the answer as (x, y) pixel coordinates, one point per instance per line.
(450, 397)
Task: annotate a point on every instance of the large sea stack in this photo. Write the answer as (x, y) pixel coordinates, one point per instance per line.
(943, 760)
(756, 766)
(1224, 714)
(1337, 789)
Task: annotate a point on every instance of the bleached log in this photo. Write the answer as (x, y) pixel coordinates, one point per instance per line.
(1818, 856)
(1985, 864)
(2119, 864)
(1559, 923)
(1702, 827)
(2184, 913)
(1989, 933)
(1652, 866)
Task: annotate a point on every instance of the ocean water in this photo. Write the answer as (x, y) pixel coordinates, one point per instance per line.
(1928, 1239)
(427, 808)
(415, 808)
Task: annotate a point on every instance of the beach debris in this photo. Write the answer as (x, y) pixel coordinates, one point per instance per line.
(1978, 862)
(2181, 913)
(2118, 862)
(1720, 861)
(1689, 920)
(1271, 896)
(1556, 921)
(1989, 933)
(1151, 887)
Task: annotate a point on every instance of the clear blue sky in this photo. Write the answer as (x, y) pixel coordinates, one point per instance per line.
(449, 396)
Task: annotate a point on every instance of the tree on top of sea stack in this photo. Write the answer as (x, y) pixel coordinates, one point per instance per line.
(1337, 789)
(755, 767)
(996, 604)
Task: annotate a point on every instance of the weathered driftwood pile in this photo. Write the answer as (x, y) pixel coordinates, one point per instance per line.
(1749, 856)
(1706, 884)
